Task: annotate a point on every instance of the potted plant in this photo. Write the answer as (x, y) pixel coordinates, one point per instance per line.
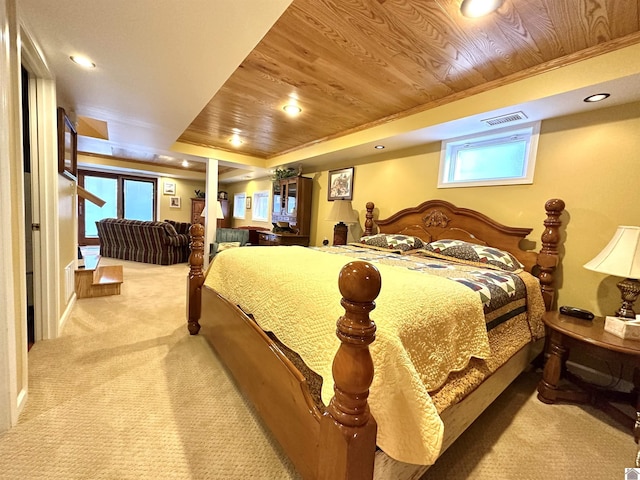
(281, 172)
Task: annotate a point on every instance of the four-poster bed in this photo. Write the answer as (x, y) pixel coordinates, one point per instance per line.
(252, 335)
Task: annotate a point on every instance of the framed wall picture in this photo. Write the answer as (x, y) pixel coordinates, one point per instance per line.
(340, 184)
(67, 146)
(174, 202)
(247, 203)
(169, 188)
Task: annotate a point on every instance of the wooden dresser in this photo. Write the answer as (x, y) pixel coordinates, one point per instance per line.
(197, 205)
(273, 239)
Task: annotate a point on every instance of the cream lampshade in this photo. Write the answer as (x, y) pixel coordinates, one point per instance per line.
(219, 213)
(341, 212)
(621, 258)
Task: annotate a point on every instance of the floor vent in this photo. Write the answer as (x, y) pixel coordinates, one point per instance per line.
(508, 118)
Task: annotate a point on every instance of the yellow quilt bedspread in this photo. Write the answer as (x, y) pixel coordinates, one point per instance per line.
(421, 336)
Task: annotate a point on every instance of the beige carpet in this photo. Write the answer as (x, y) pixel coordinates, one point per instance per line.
(127, 393)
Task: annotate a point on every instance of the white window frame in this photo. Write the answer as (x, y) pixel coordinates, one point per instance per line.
(239, 205)
(258, 198)
(528, 132)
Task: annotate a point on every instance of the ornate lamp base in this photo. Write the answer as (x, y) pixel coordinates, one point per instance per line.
(340, 234)
(630, 289)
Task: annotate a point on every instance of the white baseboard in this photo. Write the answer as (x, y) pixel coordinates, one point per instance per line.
(21, 402)
(66, 314)
(597, 377)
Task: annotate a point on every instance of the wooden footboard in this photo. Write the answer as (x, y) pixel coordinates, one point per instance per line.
(338, 443)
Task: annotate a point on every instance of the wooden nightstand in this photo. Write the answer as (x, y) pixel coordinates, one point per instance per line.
(566, 332)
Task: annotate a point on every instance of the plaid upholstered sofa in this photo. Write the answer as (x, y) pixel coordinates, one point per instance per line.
(138, 241)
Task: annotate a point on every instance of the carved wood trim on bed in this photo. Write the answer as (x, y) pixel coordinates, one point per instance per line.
(339, 443)
(438, 220)
(195, 278)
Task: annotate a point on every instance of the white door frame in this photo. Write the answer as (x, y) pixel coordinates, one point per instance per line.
(13, 341)
(44, 188)
(9, 145)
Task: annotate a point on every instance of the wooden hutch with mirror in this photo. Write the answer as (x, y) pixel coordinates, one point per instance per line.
(291, 214)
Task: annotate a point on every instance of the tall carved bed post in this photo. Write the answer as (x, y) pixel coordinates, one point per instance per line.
(196, 278)
(347, 429)
(368, 223)
(548, 257)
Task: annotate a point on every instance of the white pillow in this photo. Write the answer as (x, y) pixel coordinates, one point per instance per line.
(226, 245)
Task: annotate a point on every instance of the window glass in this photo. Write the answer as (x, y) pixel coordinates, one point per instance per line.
(107, 189)
(133, 198)
(504, 157)
(260, 206)
(239, 205)
(138, 199)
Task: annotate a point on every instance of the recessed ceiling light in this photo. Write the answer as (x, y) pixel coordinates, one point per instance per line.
(235, 140)
(379, 147)
(597, 97)
(82, 61)
(479, 8)
(292, 109)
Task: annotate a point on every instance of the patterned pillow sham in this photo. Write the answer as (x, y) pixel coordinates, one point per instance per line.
(473, 254)
(392, 242)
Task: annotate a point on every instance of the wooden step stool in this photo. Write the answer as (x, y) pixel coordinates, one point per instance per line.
(96, 280)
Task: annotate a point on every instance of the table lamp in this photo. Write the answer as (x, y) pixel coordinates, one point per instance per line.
(621, 258)
(219, 214)
(341, 212)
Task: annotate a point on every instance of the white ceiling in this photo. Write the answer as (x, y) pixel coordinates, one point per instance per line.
(160, 61)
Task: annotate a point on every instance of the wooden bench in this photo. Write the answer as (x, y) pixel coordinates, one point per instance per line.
(96, 280)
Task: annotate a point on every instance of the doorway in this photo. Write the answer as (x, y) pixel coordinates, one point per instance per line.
(29, 226)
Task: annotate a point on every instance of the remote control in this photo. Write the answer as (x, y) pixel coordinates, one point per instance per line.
(576, 312)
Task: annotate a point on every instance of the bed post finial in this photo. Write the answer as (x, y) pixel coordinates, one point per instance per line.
(347, 429)
(195, 278)
(368, 223)
(549, 256)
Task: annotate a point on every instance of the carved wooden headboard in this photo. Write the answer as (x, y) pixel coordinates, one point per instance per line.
(438, 219)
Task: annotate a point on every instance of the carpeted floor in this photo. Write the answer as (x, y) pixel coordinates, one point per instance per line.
(127, 393)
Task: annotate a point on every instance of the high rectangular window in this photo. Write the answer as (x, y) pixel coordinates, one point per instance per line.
(503, 157)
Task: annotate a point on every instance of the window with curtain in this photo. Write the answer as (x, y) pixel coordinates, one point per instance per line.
(260, 206)
(239, 205)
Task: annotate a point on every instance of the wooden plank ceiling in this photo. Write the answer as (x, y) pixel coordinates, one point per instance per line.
(356, 63)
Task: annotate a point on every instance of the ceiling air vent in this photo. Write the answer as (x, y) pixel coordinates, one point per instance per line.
(508, 118)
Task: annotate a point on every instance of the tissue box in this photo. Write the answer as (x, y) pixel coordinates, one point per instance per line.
(627, 329)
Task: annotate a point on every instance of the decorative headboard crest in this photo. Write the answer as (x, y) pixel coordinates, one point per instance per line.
(436, 218)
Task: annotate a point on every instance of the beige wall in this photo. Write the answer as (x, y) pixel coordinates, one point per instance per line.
(185, 189)
(589, 160)
(249, 188)
(68, 228)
